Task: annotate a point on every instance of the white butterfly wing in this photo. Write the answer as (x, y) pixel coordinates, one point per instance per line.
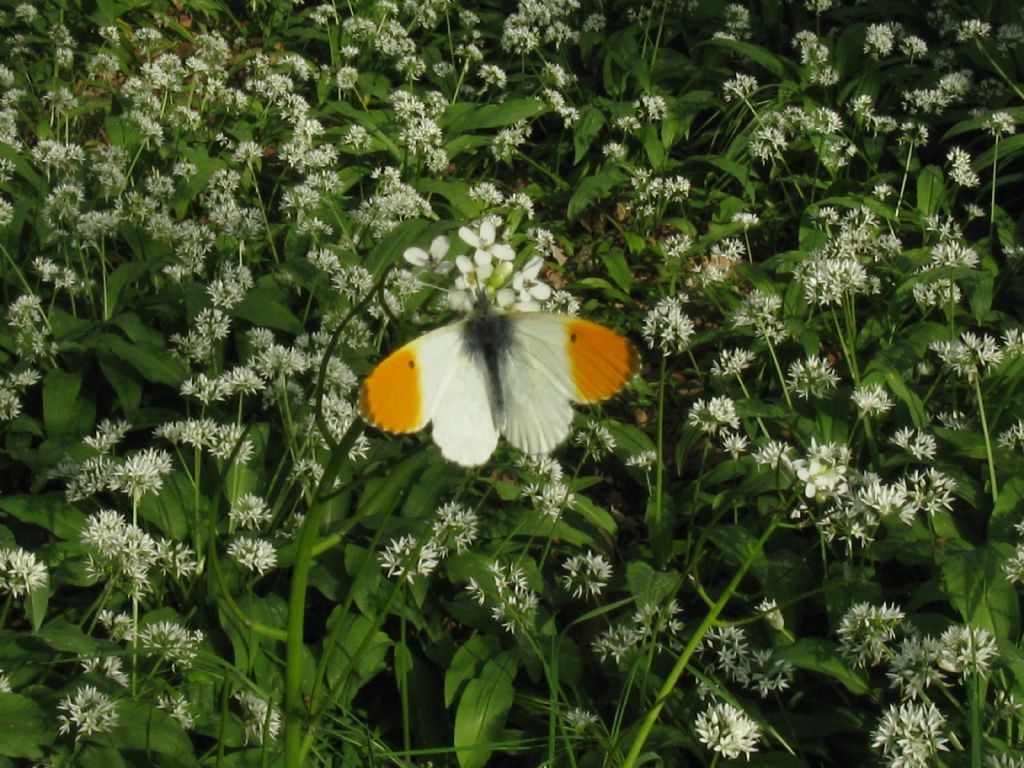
(537, 384)
(556, 360)
(457, 398)
(433, 379)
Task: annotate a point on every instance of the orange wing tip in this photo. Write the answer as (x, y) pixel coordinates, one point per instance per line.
(601, 361)
(390, 397)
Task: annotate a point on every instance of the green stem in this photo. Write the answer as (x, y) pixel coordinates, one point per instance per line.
(659, 464)
(988, 440)
(684, 658)
(992, 199)
(977, 733)
(294, 711)
(906, 173)
(778, 372)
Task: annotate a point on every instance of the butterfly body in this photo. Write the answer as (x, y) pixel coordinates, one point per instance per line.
(497, 373)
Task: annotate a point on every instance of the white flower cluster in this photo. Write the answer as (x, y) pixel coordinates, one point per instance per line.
(485, 274)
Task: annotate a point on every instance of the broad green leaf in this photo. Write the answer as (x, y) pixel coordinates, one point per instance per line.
(600, 284)
(1007, 511)
(48, 511)
(592, 189)
(97, 756)
(617, 267)
(586, 130)
(739, 171)
(60, 635)
(978, 589)
(67, 411)
(649, 585)
(781, 68)
(262, 308)
(155, 364)
(35, 606)
(467, 662)
(457, 195)
(594, 514)
(482, 711)
(653, 147)
(166, 509)
(358, 655)
(23, 167)
(494, 115)
(931, 192)
(24, 727)
(369, 588)
(915, 406)
(819, 655)
(148, 729)
(124, 380)
(124, 275)
(1008, 147)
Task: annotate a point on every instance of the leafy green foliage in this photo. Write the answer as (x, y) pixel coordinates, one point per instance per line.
(796, 535)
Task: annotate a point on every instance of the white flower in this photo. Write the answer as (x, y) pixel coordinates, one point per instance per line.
(871, 399)
(727, 730)
(262, 720)
(435, 258)
(865, 632)
(404, 558)
(254, 554)
(910, 734)
(485, 243)
(88, 711)
(529, 290)
(20, 572)
(586, 574)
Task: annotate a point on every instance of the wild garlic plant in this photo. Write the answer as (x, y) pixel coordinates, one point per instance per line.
(215, 220)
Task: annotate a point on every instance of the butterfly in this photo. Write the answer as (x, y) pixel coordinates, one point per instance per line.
(497, 373)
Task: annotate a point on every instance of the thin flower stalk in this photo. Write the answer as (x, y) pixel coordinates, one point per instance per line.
(682, 662)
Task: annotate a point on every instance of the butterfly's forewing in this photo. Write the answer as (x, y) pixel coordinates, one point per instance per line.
(536, 382)
(555, 360)
(432, 379)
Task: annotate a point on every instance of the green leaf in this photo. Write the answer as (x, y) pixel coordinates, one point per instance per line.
(123, 379)
(149, 729)
(653, 147)
(931, 191)
(739, 171)
(261, 307)
(154, 363)
(48, 511)
(467, 662)
(35, 606)
(778, 66)
(649, 585)
(914, 404)
(98, 756)
(494, 115)
(977, 587)
(66, 411)
(360, 653)
(617, 267)
(24, 727)
(595, 515)
(592, 189)
(60, 635)
(483, 709)
(1004, 150)
(124, 275)
(586, 130)
(819, 655)
(456, 193)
